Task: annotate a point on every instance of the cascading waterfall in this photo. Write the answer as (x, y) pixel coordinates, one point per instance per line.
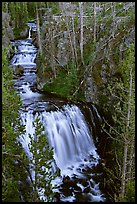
(66, 129)
(29, 37)
(69, 135)
(24, 59)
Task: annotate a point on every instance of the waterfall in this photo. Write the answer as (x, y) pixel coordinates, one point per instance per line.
(66, 129)
(29, 37)
(72, 142)
(67, 133)
(24, 60)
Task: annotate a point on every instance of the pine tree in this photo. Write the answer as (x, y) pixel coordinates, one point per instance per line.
(12, 152)
(41, 164)
(123, 92)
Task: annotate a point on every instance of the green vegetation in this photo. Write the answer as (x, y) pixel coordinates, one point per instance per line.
(41, 162)
(100, 46)
(12, 153)
(130, 193)
(123, 130)
(20, 13)
(15, 164)
(19, 16)
(65, 84)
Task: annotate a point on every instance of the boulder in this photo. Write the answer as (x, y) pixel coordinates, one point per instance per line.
(24, 33)
(18, 70)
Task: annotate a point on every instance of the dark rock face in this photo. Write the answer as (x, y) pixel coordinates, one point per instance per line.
(7, 33)
(103, 61)
(105, 67)
(34, 38)
(23, 34)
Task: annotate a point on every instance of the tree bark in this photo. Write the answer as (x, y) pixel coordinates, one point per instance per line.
(131, 160)
(114, 16)
(74, 41)
(38, 31)
(123, 182)
(52, 51)
(95, 22)
(81, 30)
(124, 172)
(69, 33)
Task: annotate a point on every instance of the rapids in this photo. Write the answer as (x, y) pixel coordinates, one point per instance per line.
(66, 128)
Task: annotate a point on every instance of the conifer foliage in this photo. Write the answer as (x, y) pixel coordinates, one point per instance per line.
(41, 164)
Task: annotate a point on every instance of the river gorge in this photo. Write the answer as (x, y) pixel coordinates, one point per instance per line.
(71, 136)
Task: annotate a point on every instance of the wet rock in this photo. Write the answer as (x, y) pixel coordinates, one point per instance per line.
(67, 192)
(84, 182)
(24, 33)
(35, 41)
(81, 197)
(77, 189)
(87, 190)
(15, 77)
(18, 70)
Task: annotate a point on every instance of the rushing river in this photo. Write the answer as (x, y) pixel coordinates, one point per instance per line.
(66, 128)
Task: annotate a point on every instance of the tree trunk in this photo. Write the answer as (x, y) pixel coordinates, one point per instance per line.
(95, 22)
(74, 41)
(38, 31)
(51, 34)
(123, 182)
(131, 160)
(6, 7)
(81, 30)
(114, 16)
(124, 172)
(69, 33)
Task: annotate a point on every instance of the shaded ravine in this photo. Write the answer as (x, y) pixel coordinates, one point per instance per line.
(67, 131)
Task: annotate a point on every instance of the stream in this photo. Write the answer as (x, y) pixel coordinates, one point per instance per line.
(66, 128)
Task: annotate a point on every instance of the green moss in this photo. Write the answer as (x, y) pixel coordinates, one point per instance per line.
(17, 32)
(96, 74)
(61, 85)
(130, 193)
(65, 84)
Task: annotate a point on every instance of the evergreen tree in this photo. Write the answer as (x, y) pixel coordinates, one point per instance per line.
(41, 164)
(123, 92)
(12, 152)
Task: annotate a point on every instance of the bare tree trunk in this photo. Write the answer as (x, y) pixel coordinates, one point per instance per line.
(81, 29)
(38, 31)
(6, 7)
(69, 33)
(123, 183)
(51, 34)
(74, 41)
(95, 22)
(124, 172)
(114, 16)
(131, 160)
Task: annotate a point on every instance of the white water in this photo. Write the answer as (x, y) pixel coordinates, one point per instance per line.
(24, 59)
(69, 135)
(29, 37)
(27, 93)
(66, 130)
